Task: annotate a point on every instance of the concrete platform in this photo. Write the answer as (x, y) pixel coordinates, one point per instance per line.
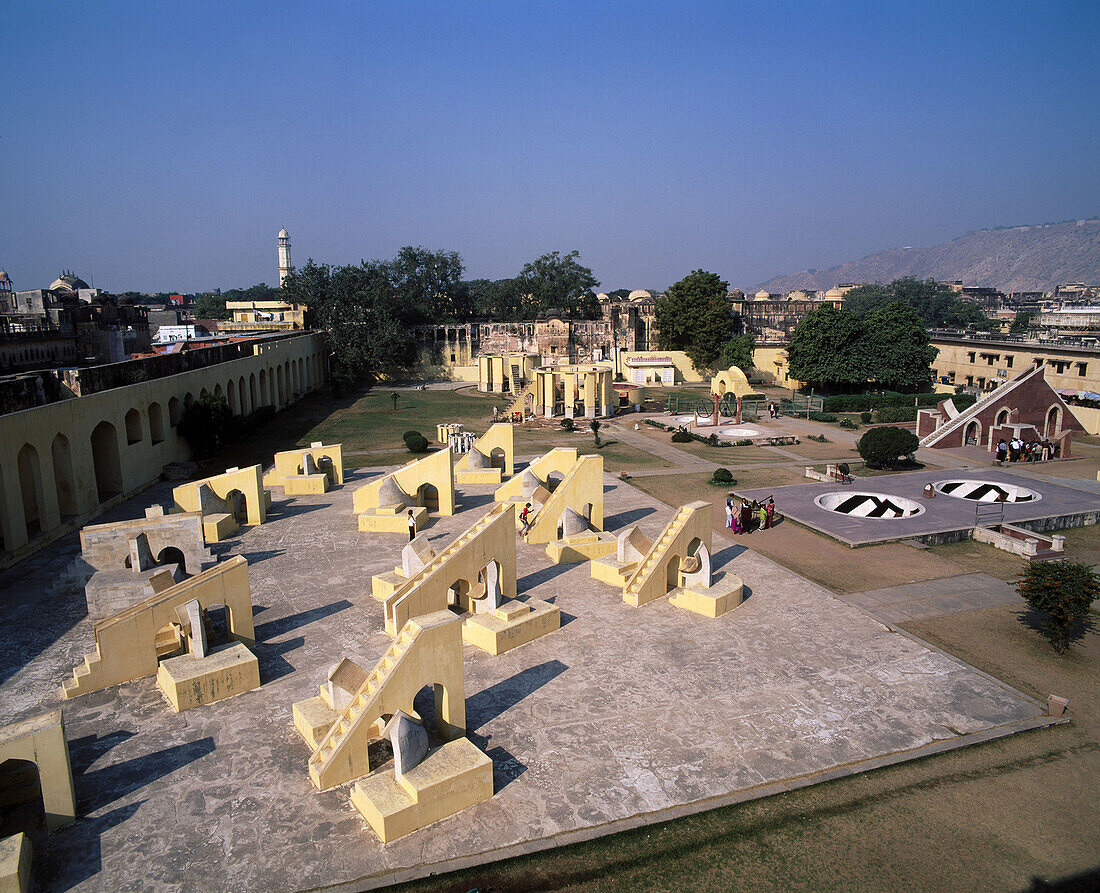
(945, 518)
(621, 717)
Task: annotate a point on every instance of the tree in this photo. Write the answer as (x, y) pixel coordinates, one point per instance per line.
(206, 424)
(364, 318)
(896, 348)
(211, 307)
(882, 447)
(1064, 592)
(594, 425)
(825, 349)
(1020, 323)
(738, 352)
(556, 281)
(695, 316)
(427, 284)
(937, 304)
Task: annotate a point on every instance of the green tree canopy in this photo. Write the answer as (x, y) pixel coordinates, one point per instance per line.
(882, 447)
(738, 352)
(1063, 591)
(359, 308)
(826, 349)
(937, 304)
(694, 316)
(211, 307)
(1020, 323)
(896, 347)
(550, 282)
(427, 283)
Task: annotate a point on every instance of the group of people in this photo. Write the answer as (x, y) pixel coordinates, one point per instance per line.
(1017, 450)
(748, 515)
(773, 409)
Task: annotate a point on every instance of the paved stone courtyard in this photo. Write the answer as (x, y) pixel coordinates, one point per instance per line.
(942, 514)
(623, 716)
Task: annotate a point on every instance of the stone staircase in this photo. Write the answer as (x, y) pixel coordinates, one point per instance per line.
(393, 608)
(519, 405)
(340, 749)
(639, 589)
(517, 385)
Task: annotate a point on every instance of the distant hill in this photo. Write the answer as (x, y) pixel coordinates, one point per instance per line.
(1018, 258)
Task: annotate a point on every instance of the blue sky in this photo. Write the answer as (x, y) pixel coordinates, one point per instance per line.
(157, 146)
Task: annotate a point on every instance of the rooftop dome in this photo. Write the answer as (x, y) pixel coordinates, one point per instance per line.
(762, 295)
(68, 281)
(639, 294)
(4, 277)
(283, 234)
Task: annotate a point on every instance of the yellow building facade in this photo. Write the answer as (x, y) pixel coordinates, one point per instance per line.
(984, 363)
(64, 463)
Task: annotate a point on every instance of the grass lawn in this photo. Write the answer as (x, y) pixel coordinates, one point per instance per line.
(811, 449)
(371, 424)
(721, 455)
(619, 456)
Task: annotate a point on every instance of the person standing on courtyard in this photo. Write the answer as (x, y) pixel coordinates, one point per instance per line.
(770, 512)
(1002, 450)
(412, 526)
(729, 513)
(746, 516)
(762, 517)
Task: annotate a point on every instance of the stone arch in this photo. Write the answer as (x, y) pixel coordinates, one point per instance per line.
(105, 460)
(973, 432)
(156, 422)
(237, 505)
(242, 396)
(174, 411)
(280, 381)
(172, 555)
(30, 483)
(63, 476)
(254, 390)
(188, 399)
(133, 427)
(427, 495)
(1052, 422)
(24, 806)
(203, 394)
(264, 401)
(1003, 416)
(219, 391)
(672, 573)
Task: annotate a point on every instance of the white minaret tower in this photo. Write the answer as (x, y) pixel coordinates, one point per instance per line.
(284, 254)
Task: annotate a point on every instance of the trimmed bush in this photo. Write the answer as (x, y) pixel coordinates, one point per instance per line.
(882, 447)
(823, 416)
(722, 476)
(416, 442)
(819, 438)
(848, 423)
(681, 437)
(745, 441)
(865, 417)
(568, 425)
(896, 414)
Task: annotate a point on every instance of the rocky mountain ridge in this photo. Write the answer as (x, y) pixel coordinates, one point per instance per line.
(1019, 258)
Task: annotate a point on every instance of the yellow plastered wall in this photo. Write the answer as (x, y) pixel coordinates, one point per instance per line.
(494, 371)
(558, 461)
(652, 578)
(126, 641)
(731, 381)
(289, 462)
(41, 740)
(580, 490)
(491, 538)
(685, 370)
(436, 470)
(428, 651)
(64, 463)
(500, 436)
(770, 366)
(247, 481)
